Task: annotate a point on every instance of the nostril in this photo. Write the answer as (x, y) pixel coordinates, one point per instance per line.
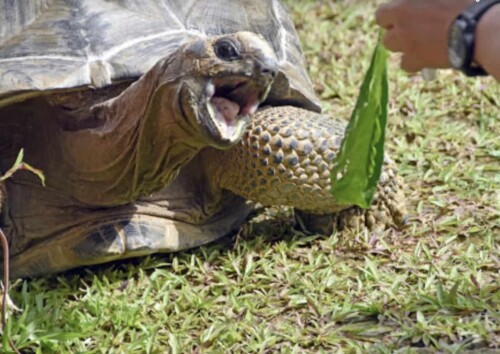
(267, 66)
(268, 71)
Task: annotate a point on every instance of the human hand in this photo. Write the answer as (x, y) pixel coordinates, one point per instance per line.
(419, 29)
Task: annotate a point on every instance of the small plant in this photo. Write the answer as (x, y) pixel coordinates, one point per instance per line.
(19, 164)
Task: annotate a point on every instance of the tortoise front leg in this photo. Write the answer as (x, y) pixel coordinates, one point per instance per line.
(285, 158)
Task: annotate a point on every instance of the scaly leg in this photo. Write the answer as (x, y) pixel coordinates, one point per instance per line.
(285, 158)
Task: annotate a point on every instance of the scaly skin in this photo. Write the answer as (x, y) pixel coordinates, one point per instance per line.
(285, 158)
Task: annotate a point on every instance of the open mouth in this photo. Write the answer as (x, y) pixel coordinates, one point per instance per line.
(230, 102)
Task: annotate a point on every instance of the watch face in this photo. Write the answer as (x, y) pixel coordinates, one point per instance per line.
(457, 51)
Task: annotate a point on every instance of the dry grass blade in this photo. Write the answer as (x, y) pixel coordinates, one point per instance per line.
(5, 294)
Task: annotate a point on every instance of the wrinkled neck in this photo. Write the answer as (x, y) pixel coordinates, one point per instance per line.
(138, 149)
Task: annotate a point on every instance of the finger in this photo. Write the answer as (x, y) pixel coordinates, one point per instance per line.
(392, 41)
(384, 17)
(410, 64)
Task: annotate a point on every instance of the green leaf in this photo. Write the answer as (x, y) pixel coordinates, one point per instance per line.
(19, 159)
(16, 166)
(358, 164)
(440, 294)
(36, 171)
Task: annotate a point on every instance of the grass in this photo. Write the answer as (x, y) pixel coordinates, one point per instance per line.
(433, 287)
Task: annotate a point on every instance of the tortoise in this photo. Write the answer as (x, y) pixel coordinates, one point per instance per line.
(159, 126)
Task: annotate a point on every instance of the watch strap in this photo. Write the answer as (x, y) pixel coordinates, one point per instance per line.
(478, 8)
(472, 15)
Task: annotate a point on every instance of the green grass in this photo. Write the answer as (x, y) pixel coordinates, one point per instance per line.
(432, 287)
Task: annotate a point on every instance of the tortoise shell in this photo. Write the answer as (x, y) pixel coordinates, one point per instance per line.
(48, 45)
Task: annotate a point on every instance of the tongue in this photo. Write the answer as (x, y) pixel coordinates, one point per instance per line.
(228, 109)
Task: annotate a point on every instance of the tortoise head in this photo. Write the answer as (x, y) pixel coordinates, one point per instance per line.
(223, 81)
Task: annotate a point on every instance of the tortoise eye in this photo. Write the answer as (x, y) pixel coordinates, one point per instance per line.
(226, 50)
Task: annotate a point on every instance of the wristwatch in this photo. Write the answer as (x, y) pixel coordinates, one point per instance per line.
(462, 38)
